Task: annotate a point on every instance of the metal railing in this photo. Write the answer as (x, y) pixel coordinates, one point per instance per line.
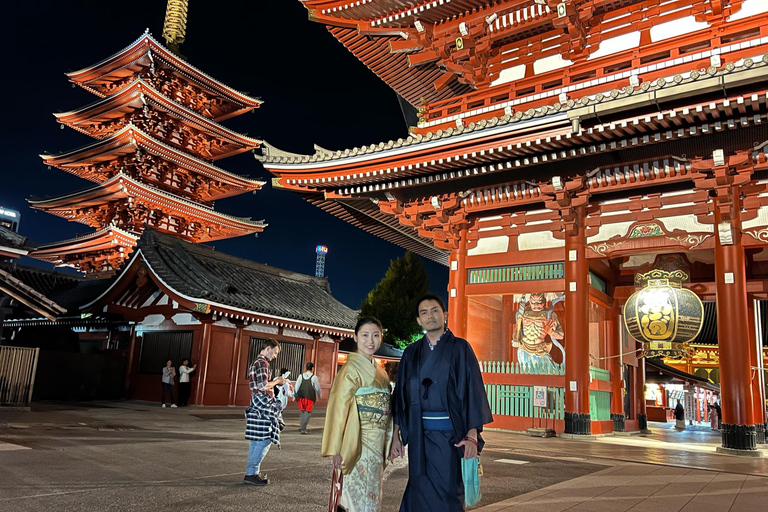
(18, 366)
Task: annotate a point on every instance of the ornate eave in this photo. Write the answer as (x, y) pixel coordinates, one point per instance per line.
(83, 206)
(133, 98)
(140, 55)
(130, 139)
(30, 297)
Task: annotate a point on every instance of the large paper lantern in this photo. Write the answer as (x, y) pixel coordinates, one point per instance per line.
(664, 315)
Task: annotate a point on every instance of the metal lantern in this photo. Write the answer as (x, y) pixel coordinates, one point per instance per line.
(664, 315)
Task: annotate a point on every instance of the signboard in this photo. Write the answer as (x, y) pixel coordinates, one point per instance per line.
(539, 396)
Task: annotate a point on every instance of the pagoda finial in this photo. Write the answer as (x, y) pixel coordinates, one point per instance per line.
(175, 26)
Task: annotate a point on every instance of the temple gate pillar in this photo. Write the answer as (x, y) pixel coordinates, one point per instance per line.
(723, 177)
(507, 327)
(235, 363)
(758, 389)
(642, 410)
(616, 366)
(457, 283)
(570, 199)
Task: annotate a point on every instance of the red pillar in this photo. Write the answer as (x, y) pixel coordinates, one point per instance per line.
(205, 349)
(617, 369)
(577, 419)
(235, 374)
(758, 389)
(642, 411)
(507, 328)
(457, 282)
(738, 425)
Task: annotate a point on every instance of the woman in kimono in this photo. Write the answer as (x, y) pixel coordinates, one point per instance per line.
(358, 422)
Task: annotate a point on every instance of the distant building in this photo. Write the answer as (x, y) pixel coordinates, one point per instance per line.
(10, 219)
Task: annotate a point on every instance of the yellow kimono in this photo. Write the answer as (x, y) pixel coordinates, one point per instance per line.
(358, 426)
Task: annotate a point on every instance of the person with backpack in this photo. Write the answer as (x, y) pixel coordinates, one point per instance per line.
(307, 392)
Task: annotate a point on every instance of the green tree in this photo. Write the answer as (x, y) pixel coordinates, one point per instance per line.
(393, 300)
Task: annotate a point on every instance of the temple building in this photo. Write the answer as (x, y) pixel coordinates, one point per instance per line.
(564, 147)
(158, 137)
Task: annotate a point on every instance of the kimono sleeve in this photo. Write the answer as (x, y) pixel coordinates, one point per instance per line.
(478, 410)
(342, 433)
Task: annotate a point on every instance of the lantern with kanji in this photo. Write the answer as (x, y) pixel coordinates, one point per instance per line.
(664, 315)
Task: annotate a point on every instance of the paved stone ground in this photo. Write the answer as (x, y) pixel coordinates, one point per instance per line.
(122, 456)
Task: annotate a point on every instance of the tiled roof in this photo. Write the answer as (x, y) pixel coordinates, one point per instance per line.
(209, 276)
(13, 240)
(68, 291)
(271, 155)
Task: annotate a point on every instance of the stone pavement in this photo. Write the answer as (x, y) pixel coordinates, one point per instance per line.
(678, 471)
(137, 456)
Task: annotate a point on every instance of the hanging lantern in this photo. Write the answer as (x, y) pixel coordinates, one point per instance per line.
(663, 315)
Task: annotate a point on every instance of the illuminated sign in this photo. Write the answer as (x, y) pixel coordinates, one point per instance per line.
(9, 213)
(321, 249)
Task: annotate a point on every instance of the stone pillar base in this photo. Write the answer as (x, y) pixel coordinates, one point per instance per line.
(741, 453)
(643, 420)
(578, 423)
(760, 431)
(739, 437)
(618, 422)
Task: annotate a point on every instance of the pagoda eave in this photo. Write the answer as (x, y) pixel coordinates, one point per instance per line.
(89, 77)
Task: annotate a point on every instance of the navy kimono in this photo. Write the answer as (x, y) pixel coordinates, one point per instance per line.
(438, 397)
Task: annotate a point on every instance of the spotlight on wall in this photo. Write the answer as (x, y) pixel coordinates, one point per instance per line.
(490, 19)
(557, 183)
(463, 30)
(419, 26)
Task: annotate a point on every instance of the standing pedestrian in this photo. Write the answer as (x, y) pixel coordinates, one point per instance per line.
(185, 386)
(263, 419)
(680, 416)
(440, 407)
(358, 421)
(169, 373)
(307, 391)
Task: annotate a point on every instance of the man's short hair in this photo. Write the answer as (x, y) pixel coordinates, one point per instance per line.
(310, 366)
(430, 296)
(270, 343)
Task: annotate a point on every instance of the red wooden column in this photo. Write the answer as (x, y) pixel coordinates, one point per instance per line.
(508, 328)
(235, 374)
(457, 283)
(205, 349)
(642, 410)
(758, 389)
(617, 368)
(577, 419)
(738, 426)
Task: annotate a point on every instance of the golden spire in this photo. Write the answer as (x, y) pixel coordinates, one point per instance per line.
(175, 26)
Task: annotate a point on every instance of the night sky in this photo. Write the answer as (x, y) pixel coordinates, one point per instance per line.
(314, 90)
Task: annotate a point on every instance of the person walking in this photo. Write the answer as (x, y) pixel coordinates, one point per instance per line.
(680, 416)
(264, 421)
(185, 386)
(169, 373)
(440, 407)
(307, 391)
(358, 423)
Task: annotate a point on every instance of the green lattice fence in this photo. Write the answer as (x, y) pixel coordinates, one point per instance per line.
(522, 369)
(508, 400)
(516, 273)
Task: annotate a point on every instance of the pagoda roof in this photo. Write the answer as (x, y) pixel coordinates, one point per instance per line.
(127, 141)
(107, 238)
(28, 296)
(141, 54)
(134, 97)
(121, 187)
(203, 279)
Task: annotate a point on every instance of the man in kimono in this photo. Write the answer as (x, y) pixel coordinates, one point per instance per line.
(440, 407)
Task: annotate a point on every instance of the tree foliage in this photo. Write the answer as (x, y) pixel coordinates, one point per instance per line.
(393, 300)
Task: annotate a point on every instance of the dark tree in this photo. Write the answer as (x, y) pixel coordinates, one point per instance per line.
(393, 300)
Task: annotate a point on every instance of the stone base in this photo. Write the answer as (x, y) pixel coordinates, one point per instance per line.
(578, 423)
(739, 437)
(582, 437)
(540, 432)
(618, 422)
(643, 420)
(741, 453)
(627, 434)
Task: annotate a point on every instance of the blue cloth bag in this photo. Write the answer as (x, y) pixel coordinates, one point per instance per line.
(470, 473)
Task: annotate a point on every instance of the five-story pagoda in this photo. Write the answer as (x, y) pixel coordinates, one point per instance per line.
(158, 137)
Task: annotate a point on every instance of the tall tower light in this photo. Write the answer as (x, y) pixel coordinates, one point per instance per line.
(321, 251)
